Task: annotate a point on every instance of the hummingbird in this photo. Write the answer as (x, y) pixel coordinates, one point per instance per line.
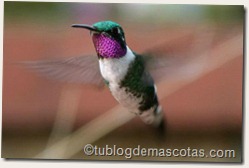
(130, 76)
(124, 71)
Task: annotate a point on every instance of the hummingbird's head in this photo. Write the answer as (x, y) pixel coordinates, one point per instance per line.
(108, 38)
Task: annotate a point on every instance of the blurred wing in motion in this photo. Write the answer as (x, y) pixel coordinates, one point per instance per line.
(83, 69)
(180, 58)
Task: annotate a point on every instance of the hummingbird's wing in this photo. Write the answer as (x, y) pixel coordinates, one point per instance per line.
(82, 69)
(179, 58)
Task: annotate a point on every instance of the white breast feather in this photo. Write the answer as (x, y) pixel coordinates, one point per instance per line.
(114, 70)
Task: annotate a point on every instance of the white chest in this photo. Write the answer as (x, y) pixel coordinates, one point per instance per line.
(114, 70)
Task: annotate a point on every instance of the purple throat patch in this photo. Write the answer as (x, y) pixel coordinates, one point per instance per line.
(107, 47)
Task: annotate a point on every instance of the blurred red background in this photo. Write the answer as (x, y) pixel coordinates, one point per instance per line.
(210, 106)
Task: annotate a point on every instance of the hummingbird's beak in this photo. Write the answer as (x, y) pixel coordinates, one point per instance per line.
(85, 26)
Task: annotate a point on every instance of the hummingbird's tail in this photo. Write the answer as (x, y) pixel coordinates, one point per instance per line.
(158, 117)
(155, 117)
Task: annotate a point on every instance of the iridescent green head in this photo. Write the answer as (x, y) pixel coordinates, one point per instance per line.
(106, 25)
(108, 38)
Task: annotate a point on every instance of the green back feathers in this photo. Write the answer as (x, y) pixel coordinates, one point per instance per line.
(105, 25)
(139, 83)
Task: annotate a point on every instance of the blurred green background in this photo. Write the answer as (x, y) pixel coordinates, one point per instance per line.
(206, 113)
(56, 12)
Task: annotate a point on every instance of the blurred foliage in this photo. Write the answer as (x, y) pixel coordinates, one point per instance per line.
(226, 13)
(57, 11)
(35, 11)
(184, 14)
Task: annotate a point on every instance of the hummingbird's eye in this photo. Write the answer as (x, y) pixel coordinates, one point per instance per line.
(115, 30)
